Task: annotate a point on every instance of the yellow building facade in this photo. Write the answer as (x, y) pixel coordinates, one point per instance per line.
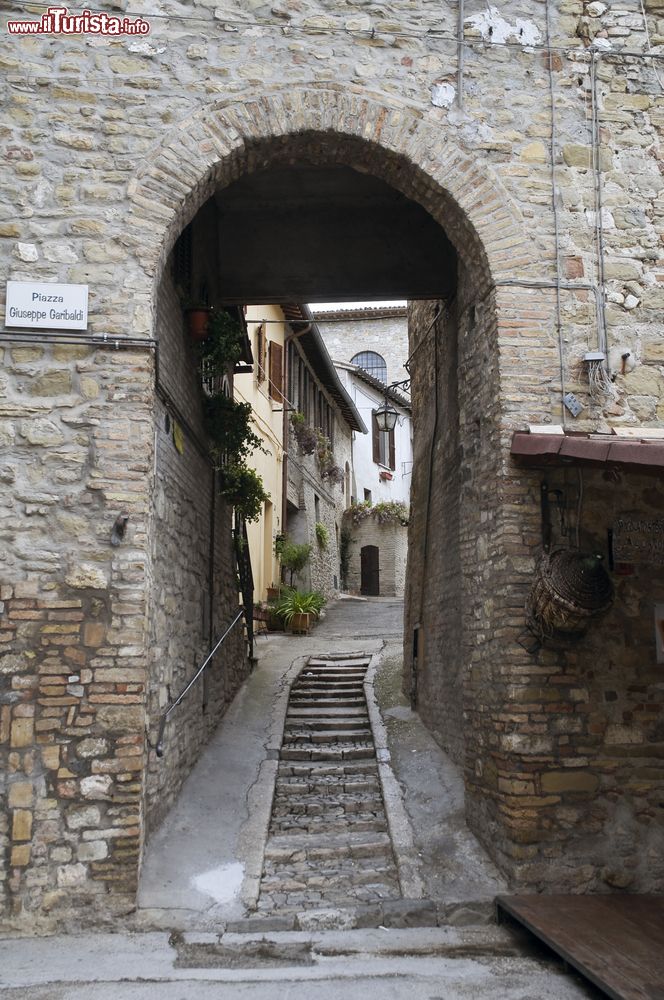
(263, 389)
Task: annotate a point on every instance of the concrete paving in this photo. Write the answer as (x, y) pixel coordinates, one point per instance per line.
(426, 964)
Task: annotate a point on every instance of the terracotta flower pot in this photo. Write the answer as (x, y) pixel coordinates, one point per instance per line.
(300, 624)
(197, 323)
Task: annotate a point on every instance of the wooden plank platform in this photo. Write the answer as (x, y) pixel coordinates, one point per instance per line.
(615, 941)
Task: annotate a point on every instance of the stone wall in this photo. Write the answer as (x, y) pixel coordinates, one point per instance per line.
(392, 543)
(322, 572)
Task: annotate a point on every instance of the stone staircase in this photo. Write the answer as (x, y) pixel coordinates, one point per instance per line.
(328, 842)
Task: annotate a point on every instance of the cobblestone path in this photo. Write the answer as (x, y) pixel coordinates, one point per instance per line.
(328, 842)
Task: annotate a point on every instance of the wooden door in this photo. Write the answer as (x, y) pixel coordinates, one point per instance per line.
(370, 572)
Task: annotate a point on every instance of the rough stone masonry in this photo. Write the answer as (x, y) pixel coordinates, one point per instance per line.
(532, 132)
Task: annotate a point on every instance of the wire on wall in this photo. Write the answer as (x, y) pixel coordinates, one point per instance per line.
(461, 53)
(599, 225)
(649, 44)
(556, 221)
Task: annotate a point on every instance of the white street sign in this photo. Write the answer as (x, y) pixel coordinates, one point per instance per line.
(45, 305)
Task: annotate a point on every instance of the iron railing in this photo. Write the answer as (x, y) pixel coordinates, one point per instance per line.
(159, 748)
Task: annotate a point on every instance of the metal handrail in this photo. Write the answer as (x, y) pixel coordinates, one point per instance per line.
(159, 748)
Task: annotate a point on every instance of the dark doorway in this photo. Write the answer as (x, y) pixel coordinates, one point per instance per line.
(369, 568)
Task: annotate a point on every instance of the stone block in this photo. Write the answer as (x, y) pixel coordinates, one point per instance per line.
(51, 757)
(94, 634)
(22, 733)
(21, 824)
(79, 817)
(20, 795)
(569, 781)
(72, 875)
(87, 576)
(92, 850)
(52, 383)
(581, 157)
(97, 786)
(20, 855)
(41, 431)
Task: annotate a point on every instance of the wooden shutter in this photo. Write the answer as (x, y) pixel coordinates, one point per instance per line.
(276, 371)
(392, 456)
(260, 353)
(375, 438)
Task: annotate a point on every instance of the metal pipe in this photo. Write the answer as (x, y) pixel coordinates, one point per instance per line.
(461, 53)
(63, 338)
(169, 711)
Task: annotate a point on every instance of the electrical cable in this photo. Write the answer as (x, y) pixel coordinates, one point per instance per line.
(461, 53)
(649, 44)
(556, 226)
(602, 340)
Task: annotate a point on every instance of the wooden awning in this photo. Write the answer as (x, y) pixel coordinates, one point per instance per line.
(587, 449)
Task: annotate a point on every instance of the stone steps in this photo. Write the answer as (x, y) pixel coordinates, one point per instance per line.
(297, 735)
(328, 841)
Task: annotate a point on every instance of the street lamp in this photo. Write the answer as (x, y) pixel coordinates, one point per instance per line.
(386, 417)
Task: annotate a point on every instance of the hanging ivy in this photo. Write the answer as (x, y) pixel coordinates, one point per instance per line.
(227, 421)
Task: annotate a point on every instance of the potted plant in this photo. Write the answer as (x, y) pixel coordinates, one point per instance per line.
(293, 556)
(298, 609)
(197, 315)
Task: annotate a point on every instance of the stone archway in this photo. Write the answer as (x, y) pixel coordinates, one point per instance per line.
(227, 141)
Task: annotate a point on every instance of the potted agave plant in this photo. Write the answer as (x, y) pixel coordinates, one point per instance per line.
(299, 609)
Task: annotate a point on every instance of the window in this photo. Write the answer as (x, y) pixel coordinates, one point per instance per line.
(276, 371)
(382, 444)
(372, 363)
(367, 496)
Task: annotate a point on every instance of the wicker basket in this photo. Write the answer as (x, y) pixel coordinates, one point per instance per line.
(570, 589)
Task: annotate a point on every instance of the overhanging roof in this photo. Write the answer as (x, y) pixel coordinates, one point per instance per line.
(315, 351)
(587, 449)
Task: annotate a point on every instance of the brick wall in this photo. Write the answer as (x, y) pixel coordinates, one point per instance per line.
(192, 594)
(72, 624)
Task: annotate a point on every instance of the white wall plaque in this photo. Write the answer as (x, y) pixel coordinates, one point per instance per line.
(45, 305)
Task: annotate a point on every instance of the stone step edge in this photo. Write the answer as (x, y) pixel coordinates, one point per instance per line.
(391, 914)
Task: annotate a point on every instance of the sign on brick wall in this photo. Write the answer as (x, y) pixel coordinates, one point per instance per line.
(638, 540)
(46, 305)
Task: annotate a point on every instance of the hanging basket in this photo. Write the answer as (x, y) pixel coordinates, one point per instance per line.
(570, 589)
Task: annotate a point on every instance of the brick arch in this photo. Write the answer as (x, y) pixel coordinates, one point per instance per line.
(226, 140)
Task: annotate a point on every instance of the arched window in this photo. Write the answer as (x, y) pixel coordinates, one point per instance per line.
(372, 363)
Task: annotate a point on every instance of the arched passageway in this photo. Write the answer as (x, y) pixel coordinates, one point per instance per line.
(348, 210)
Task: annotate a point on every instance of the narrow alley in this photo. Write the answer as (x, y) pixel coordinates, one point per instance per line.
(319, 838)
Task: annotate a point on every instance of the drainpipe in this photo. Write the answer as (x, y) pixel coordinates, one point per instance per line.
(293, 335)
